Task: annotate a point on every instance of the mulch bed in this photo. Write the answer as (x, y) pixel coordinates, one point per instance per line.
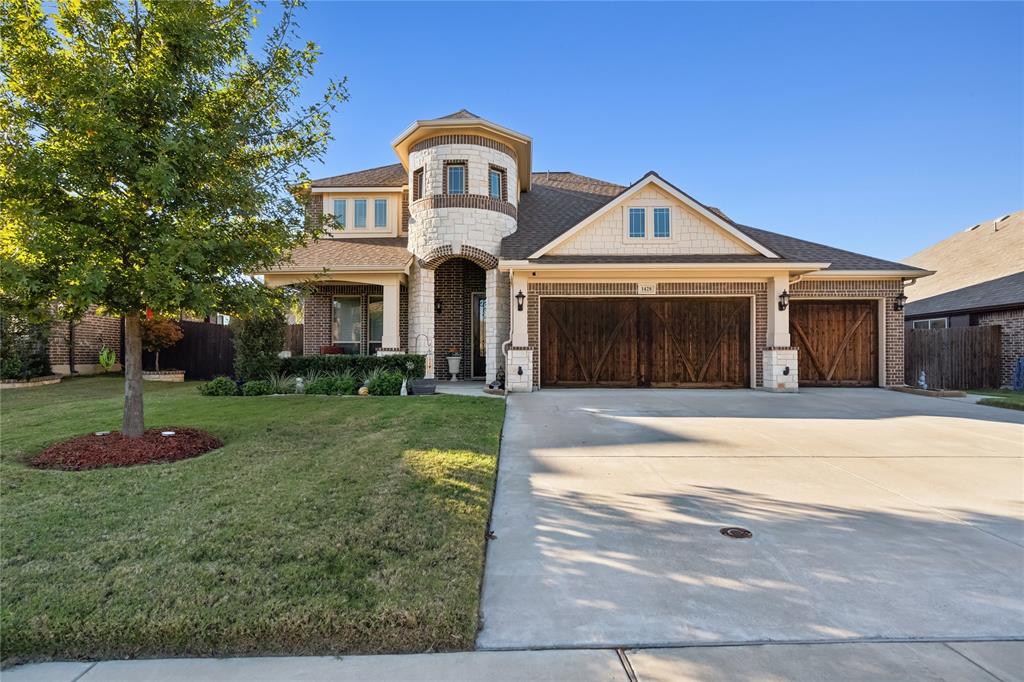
(114, 450)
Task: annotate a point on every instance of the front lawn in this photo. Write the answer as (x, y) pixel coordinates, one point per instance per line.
(1001, 397)
(324, 525)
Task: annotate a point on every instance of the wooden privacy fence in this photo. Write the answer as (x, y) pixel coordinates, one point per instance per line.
(204, 352)
(954, 358)
(293, 339)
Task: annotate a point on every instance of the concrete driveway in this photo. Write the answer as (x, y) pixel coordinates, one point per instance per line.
(874, 514)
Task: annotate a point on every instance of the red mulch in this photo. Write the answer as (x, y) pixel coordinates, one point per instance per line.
(114, 450)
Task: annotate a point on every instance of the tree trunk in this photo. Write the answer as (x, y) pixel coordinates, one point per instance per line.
(156, 367)
(132, 425)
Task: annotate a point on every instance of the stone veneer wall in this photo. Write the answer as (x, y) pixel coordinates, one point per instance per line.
(498, 314)
(455, 282)
(92, 333)
(893, 323)
(316, 315)
(759, 290)
(1012, 323)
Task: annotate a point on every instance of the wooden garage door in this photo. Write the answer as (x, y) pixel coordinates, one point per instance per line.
(661, 342)
(838, 342)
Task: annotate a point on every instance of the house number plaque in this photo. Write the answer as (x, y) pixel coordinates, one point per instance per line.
(646, 289)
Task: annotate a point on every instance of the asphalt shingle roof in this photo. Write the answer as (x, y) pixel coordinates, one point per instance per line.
(339, 253)
(383, 176)
(1003, 292)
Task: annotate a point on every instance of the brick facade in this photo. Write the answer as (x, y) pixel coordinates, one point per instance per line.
(91, 334)
(455, 282)
(1012, 324)
(886, 290)
(316, 315)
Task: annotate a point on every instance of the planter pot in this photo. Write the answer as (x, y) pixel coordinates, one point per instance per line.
(172, 375)
(422, 386)
(454, 361)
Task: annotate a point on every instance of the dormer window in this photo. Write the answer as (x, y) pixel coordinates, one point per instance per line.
(417, 184)
(380, 213)
(455, 177)
(496, 183)
(637, 223)
(662, 227)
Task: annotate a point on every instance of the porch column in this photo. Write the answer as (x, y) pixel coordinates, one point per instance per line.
(779, 364)
(519, 372)
(497, 320)
(392, 315)
(421, 315)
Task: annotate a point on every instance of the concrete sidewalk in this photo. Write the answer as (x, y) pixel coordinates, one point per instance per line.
(1001, 661)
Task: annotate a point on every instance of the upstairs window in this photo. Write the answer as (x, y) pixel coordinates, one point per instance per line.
(360, 217)
(661, 223)
(455, 175)
(417, 184)
(637, 227)
(380, 212)
(496, 183)
(340, 206)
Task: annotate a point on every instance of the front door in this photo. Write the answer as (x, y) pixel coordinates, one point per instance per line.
(479, 340)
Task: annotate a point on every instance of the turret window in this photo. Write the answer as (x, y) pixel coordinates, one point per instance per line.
(455, 177)
(417, 184)
(497, 183)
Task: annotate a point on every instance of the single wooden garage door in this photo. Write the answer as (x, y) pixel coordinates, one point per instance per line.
(838, 342)
(661, 342)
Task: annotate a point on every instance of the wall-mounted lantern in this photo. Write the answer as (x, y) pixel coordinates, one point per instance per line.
(437, 306)
(520, 298)
(783, 300)
(901, 301)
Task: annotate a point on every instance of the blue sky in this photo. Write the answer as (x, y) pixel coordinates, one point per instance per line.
(877, 127)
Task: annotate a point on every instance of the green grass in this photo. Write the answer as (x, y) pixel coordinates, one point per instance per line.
(324, 525)
(1001, 397)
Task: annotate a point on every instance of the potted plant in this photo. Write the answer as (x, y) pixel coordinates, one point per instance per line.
(454, 362)
(418, 386)
(159, 333)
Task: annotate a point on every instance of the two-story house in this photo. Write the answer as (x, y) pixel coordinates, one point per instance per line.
(559, 279)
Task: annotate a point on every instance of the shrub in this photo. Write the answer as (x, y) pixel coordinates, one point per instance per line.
(159, 333)
(408, 365)
(24, 350)
(107, 359)
(385, 383)
(258, 340)
(345, 383)
(257, 387)
(219, 386)
(281, 383)
(323, 386)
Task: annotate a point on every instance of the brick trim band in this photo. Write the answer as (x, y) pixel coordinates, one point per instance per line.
(477, 140)
(442, 254)
(466, 201)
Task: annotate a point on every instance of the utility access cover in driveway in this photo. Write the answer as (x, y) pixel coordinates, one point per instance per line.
(873, 515)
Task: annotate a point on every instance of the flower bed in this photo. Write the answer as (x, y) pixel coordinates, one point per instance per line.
(114, 450)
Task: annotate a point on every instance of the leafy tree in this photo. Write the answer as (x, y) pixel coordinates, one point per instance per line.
(147, 155)
(159, 333)
(23, 344)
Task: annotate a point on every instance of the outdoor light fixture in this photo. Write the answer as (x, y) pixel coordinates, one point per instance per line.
(520, 297)
(783, 300)
(901, 301)
(437, 306)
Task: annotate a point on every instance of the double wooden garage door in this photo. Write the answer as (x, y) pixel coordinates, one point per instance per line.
(698, 342)
(701, 342)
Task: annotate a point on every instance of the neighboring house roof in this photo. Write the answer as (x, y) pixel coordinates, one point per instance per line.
(984, 252)
(393, 175)
(461, 113)
(1004, 292)
(390, 252)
